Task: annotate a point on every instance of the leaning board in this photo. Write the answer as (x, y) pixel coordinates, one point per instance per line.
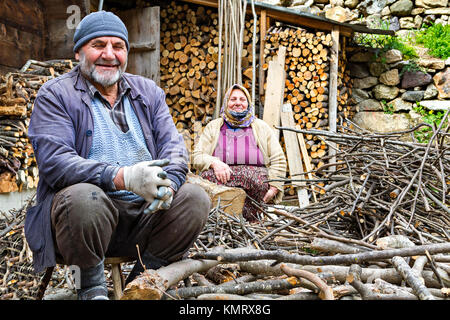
(294, 156)
(273, 100)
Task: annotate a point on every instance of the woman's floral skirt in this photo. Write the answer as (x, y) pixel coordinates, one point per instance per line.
(249, 178)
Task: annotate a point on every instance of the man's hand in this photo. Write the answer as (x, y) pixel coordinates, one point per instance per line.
(144, 178)
(221, 170)
(163, 200)
(270, 194)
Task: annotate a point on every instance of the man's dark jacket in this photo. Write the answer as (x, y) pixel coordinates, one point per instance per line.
(61, 131)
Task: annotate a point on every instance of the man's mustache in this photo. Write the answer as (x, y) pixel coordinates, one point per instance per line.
(102, 61)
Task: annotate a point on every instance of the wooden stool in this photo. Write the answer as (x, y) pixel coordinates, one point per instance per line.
(116, 274)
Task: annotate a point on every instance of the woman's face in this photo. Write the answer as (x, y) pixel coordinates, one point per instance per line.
(238, 101)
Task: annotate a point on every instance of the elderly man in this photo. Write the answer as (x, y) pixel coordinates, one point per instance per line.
(112, 166)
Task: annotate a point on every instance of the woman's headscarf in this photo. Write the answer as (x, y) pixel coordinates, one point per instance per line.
(245, 118)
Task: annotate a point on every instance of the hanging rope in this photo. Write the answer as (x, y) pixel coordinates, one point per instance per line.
(231, 42)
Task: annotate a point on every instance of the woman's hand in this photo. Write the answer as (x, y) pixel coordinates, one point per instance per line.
(271, 193)
(221, 170)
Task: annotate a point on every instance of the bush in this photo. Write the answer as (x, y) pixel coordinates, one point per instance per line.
(386, 42)
(436, 37)
(431, 117)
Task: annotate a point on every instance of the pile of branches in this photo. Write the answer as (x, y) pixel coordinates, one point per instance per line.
(17, 280)
(287, 257)
(379, 231)
(387, 185)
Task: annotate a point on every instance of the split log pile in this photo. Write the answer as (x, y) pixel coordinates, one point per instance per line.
(379, 232)
(18, 90)
(189, 64)
(307, 66)
(189, 56)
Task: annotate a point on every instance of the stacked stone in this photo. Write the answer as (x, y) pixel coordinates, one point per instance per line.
(403, 15)
(384, 97)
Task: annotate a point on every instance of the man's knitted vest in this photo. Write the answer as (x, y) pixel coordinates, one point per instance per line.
(111, 145)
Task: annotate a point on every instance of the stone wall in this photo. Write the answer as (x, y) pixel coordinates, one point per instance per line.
(401, 14)
(384, 93)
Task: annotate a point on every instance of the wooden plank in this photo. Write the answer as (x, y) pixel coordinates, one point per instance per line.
(305, 157)
(294, 156)
(334, 61)
(263, 30)
(140, 47)
(275, 90)
(143, 29)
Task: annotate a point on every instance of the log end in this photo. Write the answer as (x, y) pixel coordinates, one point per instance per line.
(147, 286)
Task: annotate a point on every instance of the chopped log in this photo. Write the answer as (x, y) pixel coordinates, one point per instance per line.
(15, 111)
(152, 284)
(231, 199)
(8, 183)
(307, 78)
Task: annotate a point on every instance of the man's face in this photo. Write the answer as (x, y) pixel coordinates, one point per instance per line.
(103, 60)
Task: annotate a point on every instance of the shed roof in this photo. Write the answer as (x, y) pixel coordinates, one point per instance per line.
(293, 17)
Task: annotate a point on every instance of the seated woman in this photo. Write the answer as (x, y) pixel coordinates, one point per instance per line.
(240, 150)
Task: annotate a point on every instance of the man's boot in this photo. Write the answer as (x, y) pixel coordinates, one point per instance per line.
(93, 283)
(150, 262)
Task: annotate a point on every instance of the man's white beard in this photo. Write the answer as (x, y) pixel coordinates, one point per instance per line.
(105, 78)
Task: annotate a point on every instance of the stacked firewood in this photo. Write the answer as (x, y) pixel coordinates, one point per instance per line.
(189, 56)
(18, 90)
(189, 63)
(307, 82)
(307, 72)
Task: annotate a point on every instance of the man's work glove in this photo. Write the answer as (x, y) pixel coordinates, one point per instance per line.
(163, 200)
(144, 178)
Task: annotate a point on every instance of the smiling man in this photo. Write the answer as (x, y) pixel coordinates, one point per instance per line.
(112, 166)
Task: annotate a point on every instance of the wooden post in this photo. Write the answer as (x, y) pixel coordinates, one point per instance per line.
(262, 43)
(276, 76)
(334, 61)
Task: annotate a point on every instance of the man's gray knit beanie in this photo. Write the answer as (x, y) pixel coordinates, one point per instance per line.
(99, 24)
